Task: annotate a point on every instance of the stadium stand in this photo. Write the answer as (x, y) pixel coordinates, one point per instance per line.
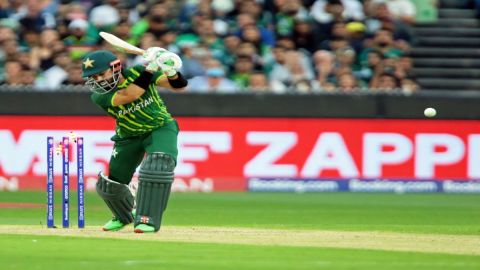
(447, 50)
(302, 46)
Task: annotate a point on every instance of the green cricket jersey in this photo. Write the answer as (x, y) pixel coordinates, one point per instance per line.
(140, 116)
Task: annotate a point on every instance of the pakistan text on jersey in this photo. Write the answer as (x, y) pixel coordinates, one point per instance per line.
(136, 107)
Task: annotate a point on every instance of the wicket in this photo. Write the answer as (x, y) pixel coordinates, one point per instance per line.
(65, 151)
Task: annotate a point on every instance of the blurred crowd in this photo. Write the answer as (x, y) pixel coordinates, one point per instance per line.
(227, 46)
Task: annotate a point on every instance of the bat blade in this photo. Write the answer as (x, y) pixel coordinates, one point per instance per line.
(121, 44)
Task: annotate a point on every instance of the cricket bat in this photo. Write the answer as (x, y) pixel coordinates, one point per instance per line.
(121, 44)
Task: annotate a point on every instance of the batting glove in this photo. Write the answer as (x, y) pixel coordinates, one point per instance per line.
(151, 53)
(169, 62)
(152, 67)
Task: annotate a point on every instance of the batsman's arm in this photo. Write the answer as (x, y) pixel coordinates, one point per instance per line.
(176, 83)
(133, 91)
(136, 89)
(169, 63)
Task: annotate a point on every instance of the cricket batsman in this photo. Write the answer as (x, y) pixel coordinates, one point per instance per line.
(145, 134)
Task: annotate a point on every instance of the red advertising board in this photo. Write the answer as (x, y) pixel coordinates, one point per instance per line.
(221, 153)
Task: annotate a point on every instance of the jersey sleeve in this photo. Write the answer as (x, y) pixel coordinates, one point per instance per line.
(157, 76)
(103, 100)
(106, 100)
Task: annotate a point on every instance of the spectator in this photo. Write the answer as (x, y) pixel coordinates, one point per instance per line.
(122, 30)
(28, 76)
(75, 10)
(243, 67)
(245, 36)
(356, 35)
(214, 82)
(77, 43)
(392, 66)
(261, 17)
(385, 82)
(285, 17)
(157, 21)
(403, 10)
(289, 68)
(249, 49)
(186, 14)
(169, 41)
(147, 40)
(24, 58)
(267, 37)
(304, 36)
(347, 83)
(387, 65)
(207, 35)
(192, 13)
(12, 70)
(258, 83)
(192, 58)
(325, 11)
(35, 19)
(286, 42)
(232, 43)
(127, 15)
(328, 64)
(301, 77)
(384, 43)
(332, 12)
(221, 10)
(405, 63)
(278, 70)
(68, 13)
(6, 33)
(11, 49)
(74, 77)
(252, 35)
(29, 39)
(15, 9)
(150, 40)
(345, 59)
(401, 68)
(42, 55)
(368, 67)
(382, 19)
(335, 43)
(205, 57)
(102, 18)
(409, 86)
(52, 78)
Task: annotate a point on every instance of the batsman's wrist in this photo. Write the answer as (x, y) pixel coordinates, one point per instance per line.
(170, 72)
(178, 82)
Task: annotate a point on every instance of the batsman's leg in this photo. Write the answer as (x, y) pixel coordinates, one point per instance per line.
(155, 181)
(119, 200)
(114, 189)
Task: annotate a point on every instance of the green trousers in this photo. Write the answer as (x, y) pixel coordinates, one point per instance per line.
(128, 153)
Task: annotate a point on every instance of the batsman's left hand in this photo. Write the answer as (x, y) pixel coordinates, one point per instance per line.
(151, 53)
(169, 62)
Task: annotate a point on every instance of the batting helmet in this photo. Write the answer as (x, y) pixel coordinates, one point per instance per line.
(99, 62)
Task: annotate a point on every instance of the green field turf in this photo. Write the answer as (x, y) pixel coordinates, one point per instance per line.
(255, 231)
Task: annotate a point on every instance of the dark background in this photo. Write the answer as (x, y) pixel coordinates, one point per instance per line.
(76, 101)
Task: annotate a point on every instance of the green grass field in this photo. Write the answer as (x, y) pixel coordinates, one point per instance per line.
(253, 231)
